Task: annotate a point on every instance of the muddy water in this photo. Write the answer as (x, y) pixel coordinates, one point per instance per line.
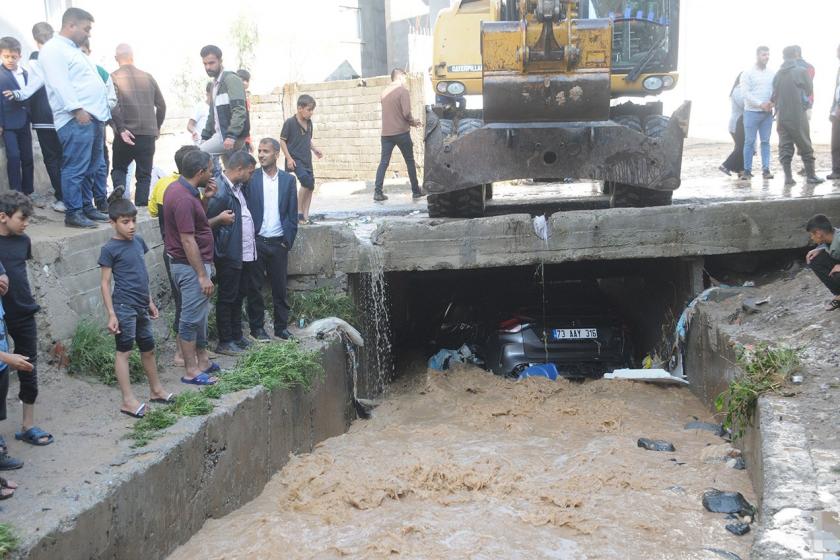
(466, 465)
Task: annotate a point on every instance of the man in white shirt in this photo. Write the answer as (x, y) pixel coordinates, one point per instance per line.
(757, 88)
(199, 119)
(272, 201)
(79, 103)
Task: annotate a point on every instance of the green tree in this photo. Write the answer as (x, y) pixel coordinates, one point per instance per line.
(190, 83)
(245, 36)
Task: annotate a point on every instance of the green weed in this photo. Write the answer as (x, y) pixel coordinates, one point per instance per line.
(192, 403)
(320, 303)
(151, 425)
(765, 370)
(277, 364)
(8, 540)
(92, 354)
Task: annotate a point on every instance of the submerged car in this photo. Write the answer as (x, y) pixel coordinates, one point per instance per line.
(582, 341)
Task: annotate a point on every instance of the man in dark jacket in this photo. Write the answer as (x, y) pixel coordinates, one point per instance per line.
(137, 119)
(41, 113)
(272, 200)
(14, 119)
(791, 87)
(227, 124)
(234, 245)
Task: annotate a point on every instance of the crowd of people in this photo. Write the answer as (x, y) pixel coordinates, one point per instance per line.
(761, 95)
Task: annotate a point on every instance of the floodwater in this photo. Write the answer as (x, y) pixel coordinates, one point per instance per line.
(463, 464)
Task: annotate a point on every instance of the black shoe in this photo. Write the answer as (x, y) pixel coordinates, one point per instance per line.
(9, 463)
(725, 170)
(92, 213)
(417, 194)
(379, 197)
(835, 176)
(745, 176)
(243, 343)
(116, 194)
(228, 349)
(101, 204)
(766, 174)
(78, 220)
(284, 335)
(260, 335)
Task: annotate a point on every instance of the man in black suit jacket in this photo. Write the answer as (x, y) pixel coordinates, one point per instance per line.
(272, 201)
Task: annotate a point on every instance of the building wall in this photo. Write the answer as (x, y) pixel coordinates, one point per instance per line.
(347, 124)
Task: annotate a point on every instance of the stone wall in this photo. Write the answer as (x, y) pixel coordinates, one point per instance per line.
(347, 124)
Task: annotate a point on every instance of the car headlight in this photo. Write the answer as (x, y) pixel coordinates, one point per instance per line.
(667, 81)
(653, 83)
(441, 87)
(455, 88)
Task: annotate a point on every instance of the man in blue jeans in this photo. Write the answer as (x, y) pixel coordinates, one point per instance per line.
(78, 99)
(396, 123)
(757, 89)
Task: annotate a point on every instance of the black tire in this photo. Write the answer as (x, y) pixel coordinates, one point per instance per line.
(465, 126)
(465, 203)
(629, 196)
(656, 125)
(630, 121)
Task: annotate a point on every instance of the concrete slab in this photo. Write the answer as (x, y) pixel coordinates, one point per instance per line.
(632, 233)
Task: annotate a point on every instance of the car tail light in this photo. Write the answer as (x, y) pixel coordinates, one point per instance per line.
(514, 325)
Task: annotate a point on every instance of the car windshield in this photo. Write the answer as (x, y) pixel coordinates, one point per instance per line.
(640, 27)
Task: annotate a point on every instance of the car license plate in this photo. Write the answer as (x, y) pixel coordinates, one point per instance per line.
(574, 334)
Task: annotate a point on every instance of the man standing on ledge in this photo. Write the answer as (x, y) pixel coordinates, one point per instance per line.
(227, 124)
(396, 122)
(138, 117)
(80, 110)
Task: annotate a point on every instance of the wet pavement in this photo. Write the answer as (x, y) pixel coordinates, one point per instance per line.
(702, 183)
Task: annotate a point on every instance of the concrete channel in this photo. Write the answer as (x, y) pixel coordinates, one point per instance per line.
(216, 464)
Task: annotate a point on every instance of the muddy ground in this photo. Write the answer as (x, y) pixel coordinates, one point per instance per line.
(465, 464)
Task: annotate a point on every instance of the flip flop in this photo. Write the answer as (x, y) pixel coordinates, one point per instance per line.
(33, 436)
(3, 447)
(168, 400)
(834, 305)
(139, 413)
(214, 367)
(202, 378)
(4, 485)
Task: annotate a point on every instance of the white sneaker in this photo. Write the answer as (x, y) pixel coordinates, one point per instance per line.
(58, 206)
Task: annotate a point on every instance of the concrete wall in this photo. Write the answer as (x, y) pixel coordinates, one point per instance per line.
(42, 180)
(348, 122)
(210, 467)
(780, 467)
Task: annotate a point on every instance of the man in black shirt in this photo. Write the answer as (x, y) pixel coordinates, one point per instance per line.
(20, 306)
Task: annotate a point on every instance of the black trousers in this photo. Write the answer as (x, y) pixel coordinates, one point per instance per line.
(735, 161)
(176, 293)
(143, 154)
(406, 146)
(822, 265)
(52, 154)
(20, 163)
(232, 291)
(835, 145)
(24, 334)
(272, 262)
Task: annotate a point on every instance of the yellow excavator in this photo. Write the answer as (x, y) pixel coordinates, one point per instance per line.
(548, 77)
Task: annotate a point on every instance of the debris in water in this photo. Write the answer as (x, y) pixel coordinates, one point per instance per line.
(738, 528)
(750, 306)
(727, 502)
(549, 371)
(655, 444)
(716, 429)
(322, 326)
(724, 554)
(659, 376)
(749, 284)
(444, 359)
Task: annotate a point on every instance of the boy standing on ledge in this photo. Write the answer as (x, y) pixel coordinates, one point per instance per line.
(297, 146)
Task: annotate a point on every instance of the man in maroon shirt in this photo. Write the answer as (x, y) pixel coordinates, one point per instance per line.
(189, 243)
